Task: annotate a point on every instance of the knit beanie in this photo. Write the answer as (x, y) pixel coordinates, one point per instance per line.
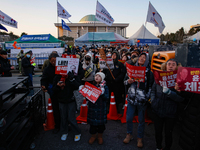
(101, 74)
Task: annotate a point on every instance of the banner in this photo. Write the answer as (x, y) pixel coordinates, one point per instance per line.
(7, 20)
(33, 45)
(91, 92)
(103, 15)
(65, 26)
(135, 72)
(62, 13)
(64, 65)
(102, 63)
(154, 17)
(3, 28)
(165, 78)
(188, 79)
(25, 38)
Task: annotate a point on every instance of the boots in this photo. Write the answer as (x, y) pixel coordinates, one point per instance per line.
(139, 142)
(128, 138)
(100, 138)
(92, 139)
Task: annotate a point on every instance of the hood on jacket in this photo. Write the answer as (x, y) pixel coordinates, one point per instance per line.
(84, 61)
(146, 63)
(116, 54)
(164, 66)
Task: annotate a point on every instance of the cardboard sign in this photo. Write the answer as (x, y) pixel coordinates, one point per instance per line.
(135, 72)
(165, 78)
(91, 92)
(188, 79)
(102, 54)
(64, 65)
(102, 63)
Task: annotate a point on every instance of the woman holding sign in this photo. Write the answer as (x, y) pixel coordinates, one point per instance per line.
(138, 95)
(164, 105)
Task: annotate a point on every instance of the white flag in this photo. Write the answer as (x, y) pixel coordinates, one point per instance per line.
(62, 13)
(7, 20)
(103, 15)
(154, 17)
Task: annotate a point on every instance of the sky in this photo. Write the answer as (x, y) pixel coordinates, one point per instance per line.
(39, 16)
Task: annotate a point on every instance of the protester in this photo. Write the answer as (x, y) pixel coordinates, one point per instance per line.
(5, 66)
(20, 56)
(67, 51)
(138, 95)
(63, 88)
(46, 62)
(164, 103)
(89, 68)
(97, 114)
(28, 68)
(113, 84)
(47, 84)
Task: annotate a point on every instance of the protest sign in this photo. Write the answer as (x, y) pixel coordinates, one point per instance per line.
(188, 79)
(64, 65)
(165, 78)
(103, 65)
(68, 56)
(135, 72)
(91, 92)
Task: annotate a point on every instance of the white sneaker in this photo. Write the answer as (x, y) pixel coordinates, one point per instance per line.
(77, 137)
(64, 137)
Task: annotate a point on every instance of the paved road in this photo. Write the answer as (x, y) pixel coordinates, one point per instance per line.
(113, 136)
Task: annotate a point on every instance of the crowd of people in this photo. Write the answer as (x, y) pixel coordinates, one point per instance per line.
(162, 101)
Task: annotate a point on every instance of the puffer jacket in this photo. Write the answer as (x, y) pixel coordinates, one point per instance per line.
(139, 94)
(162, 104)
(97, 112)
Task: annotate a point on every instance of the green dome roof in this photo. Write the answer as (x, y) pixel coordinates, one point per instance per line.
(88, 19)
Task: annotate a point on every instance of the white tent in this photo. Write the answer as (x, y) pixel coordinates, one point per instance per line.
(145, 37)
(196, 36)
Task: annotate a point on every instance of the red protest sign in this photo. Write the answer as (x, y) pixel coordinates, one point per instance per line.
(188, 79)
(64, 65)
(165, 78)
(32, 60)
(91, 92)
(136, 72)
(68, 56)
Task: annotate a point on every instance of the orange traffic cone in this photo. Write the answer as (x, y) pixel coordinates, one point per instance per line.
(50, 124)
(123, 120)
(82, 118)
(113, 115)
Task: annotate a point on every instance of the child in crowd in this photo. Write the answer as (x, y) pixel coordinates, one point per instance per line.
(97, 114)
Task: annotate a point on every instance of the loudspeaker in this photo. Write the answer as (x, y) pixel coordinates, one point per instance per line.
(188, 55)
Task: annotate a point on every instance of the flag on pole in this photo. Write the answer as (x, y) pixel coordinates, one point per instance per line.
(103, 15)
(62, 13)
(3, 28)
(7, 20)
(65, 26)
(154, 17)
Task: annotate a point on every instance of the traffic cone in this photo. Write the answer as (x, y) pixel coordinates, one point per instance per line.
(147, 119)
(82, 118)
(123, 119)
(50, 124)
(113, 115)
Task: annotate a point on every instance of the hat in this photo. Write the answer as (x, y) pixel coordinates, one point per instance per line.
(101, 74)
(29, 52)
(3, 52)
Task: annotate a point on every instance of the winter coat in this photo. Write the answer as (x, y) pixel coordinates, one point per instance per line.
(162, 104)
(91, 76)
(190, 133)
(28, 69)
(97, 112)
(65, 95)
(140, 95)
(5, 67)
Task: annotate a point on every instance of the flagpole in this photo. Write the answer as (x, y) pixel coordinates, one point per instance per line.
(94, 27)
(57, 19)
(144, 29)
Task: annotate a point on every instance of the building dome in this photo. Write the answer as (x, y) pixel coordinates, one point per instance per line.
(89, 19)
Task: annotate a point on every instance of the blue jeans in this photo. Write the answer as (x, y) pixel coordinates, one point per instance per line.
(129, 119)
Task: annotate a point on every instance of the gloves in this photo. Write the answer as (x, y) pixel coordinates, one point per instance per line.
(166, 90)
(33, 64)
(80, 87)
(103, 90)
(70, 76)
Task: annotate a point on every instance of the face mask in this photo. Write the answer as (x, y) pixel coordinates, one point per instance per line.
(129, 57)
(133, 56)
(109, 55)
(28, 56)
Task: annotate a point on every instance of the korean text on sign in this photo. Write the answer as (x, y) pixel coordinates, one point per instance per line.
(165, 78)
(91, 92)
(188, 79)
